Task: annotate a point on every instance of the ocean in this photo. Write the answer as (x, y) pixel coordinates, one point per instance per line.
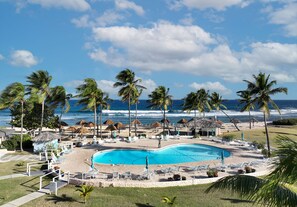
(118, 112)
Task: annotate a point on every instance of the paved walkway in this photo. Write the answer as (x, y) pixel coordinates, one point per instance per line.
(22, 200)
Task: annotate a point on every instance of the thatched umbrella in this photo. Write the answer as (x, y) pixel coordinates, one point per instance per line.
(71, 129)
(235, 121)
(89, 124)
(81, 122)
(166, 121)
(136, 121)
(82, 130)
(108, 122)
(119, 126)
(156, 124)
(111, 128)
(46, 137)
(63, 123)
(182, 121)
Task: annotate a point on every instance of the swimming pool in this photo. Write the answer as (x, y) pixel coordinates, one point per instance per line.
(174, 154)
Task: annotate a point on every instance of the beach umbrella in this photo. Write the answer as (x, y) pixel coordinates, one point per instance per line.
(108, 122)
(136, 121)
(166, 121)
(89, 124)
(45, 137)
(156, 124)
(111, 128)
(146, 162)
(63, 123)
(81, 122)
(71, 129)
(222, 158)
(119, 125)
(182, 121)
(82, 130)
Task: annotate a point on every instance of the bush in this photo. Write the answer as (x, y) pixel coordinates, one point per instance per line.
(27, 143)
(259, 145)
(264, 152)
(20, 163)
(10, 144)
(228, 137)
(291, 121)
(212, 173)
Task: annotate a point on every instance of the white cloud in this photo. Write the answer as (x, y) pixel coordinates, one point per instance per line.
(206, 4)
(77, 5)
(212, 87)
(1, 57)
(23, 58)
(190, 49)
(83, 21)
(125, 4)
(188, 20)
(285, 16)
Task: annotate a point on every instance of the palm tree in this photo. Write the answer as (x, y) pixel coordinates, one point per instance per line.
(11, 95)
(261, 91)
(135, 100)
(216, 102)
(89, 93)
(59, 97)
(274, 190)
(203, 103)
(85, 191)
(161, 99)
(39, 89)
(246, 100)
(169, 201)
(129, 86)
(102, 101)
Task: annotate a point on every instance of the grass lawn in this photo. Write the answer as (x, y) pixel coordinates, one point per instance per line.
(17, 187)
(8, 168)
(189, 196)
(260, 136)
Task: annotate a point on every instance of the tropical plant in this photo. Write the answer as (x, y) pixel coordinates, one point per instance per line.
(169, 201)
(39, 89)
(246, 101)
(216, 102)
(102, 101)
(135, 100)
(85, 191)
(59, 98)
(160, 98)
(129, 87)
(89, 93)
(261, 90)
(14, 94)
(198, 102)
(274, 190)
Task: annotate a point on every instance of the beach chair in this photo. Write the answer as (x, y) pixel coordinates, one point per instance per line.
(126, 175)
(55, 160)
(66, 150)
(92, 173)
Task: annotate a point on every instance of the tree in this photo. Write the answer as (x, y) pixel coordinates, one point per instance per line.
(89, 93)
(129, 86)
(102, 101)
(261, 90)
(169, 201)
(274, 190)
(216, 102)
(85, 191)
(39, 89)
(245, 100)
(160, 98)
(14, 94)
(59, 98)
(135, 100)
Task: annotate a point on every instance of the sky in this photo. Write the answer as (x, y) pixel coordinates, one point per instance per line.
(184, 45)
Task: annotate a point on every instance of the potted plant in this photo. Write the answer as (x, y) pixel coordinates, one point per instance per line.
(240, 171)
(248, 169)
(212, 173)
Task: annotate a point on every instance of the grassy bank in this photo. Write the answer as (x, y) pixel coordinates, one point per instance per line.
(259, 135)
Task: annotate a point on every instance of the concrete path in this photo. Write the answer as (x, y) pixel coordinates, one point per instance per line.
(22, 200)
(7, 158)
(17, 175)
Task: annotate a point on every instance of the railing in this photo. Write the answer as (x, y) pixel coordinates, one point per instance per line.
(54, 180)
(32, 164)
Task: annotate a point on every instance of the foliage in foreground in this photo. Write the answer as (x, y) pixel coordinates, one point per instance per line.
(85, 191)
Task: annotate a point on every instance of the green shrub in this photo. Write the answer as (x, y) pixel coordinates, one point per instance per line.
(27, 143)
(20, 163)
(291, 121)
(10, 144)
(259, 145)
(228, 137)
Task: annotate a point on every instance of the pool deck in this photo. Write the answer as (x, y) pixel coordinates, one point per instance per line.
(78, 161)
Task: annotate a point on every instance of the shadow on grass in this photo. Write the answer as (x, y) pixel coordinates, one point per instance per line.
(234, 200)
(143, 205)
(61, 199)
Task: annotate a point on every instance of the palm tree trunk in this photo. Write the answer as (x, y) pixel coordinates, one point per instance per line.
(250, 119)
(135, 118)
(230, 120)
(195, 123)
(95, 116)
(42, 115)
(129, 105)
(267, 135)
(164, 117)
(22, 123)
(101, 121)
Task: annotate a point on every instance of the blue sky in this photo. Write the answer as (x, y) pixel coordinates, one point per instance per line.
(181, 44)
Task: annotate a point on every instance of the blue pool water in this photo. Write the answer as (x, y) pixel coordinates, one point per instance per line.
(182, 153)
